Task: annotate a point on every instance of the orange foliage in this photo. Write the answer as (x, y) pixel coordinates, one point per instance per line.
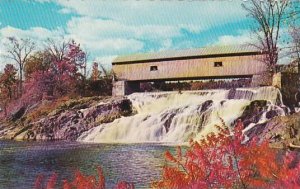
(124, 185)
(80, 181)
(225, 160)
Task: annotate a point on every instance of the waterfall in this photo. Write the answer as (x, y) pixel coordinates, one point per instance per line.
(172, 117)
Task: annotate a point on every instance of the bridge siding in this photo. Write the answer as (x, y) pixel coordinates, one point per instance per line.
(191, 68)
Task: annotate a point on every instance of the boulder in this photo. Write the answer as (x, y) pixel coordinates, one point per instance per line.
(74, 117)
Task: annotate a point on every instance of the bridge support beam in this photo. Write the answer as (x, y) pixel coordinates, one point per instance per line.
(261, 80)
(122, 88)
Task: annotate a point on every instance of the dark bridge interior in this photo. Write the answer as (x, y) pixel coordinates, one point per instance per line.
(197, 83)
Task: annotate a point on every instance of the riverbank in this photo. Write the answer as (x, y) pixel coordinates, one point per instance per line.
(63, 119)
(281, 131)
(156, 117)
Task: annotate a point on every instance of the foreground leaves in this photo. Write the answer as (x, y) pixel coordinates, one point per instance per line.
(80, 181)
(225, 160)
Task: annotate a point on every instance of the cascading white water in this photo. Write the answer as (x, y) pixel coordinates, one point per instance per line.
(172, 117)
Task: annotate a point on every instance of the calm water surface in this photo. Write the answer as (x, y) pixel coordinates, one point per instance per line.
(20, 162)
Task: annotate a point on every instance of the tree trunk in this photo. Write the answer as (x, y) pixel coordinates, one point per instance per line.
(21, 82)
(298, 67)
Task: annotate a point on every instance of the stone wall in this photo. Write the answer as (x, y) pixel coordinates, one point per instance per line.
(276, 82)
(122, 88)
(289, 89)
(261, 80)
(119, 88)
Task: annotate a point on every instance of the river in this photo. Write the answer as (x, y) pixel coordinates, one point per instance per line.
(172, 117)
(21, 162)
(162, 117)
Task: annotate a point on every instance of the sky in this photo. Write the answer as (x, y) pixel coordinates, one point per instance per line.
(108, 28)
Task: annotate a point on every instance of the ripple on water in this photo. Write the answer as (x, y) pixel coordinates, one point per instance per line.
(20, 162)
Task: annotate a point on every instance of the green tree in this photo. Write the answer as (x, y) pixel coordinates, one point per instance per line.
(40, 61)
(8, 83)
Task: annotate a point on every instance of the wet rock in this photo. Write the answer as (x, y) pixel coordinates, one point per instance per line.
(256, 131)
(239, 94)
(280, 131)
(253, 112)
(206, 105)
(231, 93)
(272, 113)
(168, 121)
(222, 102)
(125, 107)
(18, 114)
(71, 119)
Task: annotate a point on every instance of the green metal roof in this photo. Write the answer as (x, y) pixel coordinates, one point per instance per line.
(207, 51)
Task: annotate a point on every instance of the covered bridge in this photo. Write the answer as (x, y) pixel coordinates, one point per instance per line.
(203, 63)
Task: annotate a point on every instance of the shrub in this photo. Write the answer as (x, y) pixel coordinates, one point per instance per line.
(224, 160)
(80, 181)
(44, 109)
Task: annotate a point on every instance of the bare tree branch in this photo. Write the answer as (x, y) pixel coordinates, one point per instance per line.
(57, 49)
(269, 16)
(19, 50)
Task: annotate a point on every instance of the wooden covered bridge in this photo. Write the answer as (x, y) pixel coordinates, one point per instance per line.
(194, 64)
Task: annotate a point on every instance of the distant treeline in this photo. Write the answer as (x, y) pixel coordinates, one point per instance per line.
(58, 70)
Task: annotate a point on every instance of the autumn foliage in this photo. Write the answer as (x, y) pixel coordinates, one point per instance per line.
(226, 160)
(80, 181)
(58, 74)
(223, 160)
(7, 85)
